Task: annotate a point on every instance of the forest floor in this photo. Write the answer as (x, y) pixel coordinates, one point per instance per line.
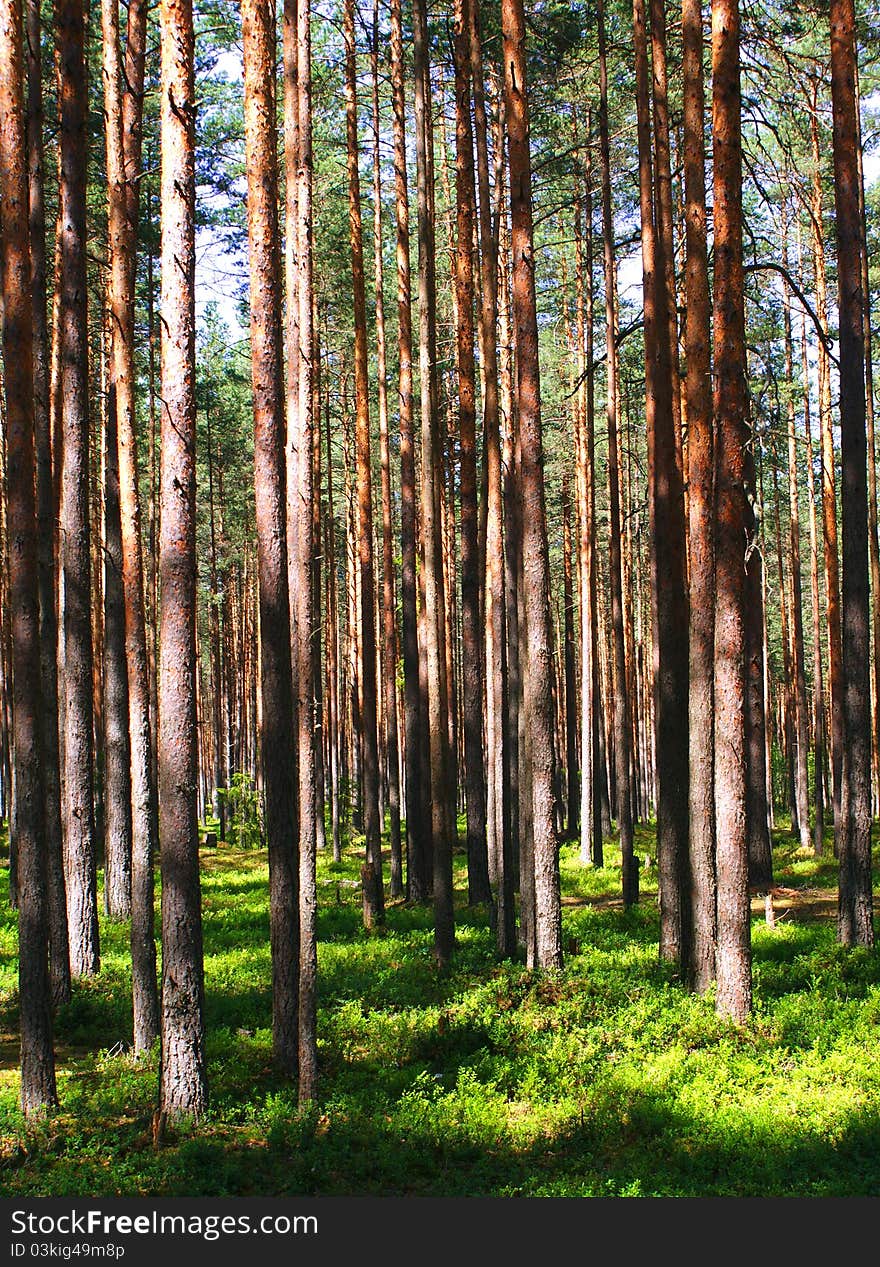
(608, 1079)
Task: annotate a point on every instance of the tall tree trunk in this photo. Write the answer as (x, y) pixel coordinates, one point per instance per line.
(439, 757)
(59, 958)
(829, 498)
(37, 1056)
(622, 723)
(183, 1078)
(389, 627)
(855, 917)
(277, 737)
(305, 619)
(802, 722)
(417, 859)
(536, 564)
(818, 683)
(666, 505)
(75, 529)
(700, 968)
(374, 912)
(733, 929)
(472, 675)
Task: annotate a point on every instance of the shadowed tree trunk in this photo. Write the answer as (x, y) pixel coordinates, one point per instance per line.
(389, 629)
(472, 669)
(374, 912)
(277, 741)
(59, 958)
(622, 728)
(37, 1057)
(855, 920)
(183, 1078)
(75, 529)
(536, 569)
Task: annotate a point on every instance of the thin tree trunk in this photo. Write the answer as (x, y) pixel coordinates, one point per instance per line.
(818, 683)
(183, 1077)
(389, 629)
(37, 1057)
(700, 968)
(621, 722)
(371, 873)
(439, 757)
(417, 859)
(472, 668)
(829, 499)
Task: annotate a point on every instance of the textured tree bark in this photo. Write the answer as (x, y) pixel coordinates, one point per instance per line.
(59, 959)
(665, 500)
(124, 172)
(277, 737)
(374, 912)
(183, 1088)
(37, 1056)
(829, 496)
(700, 967)
(434, 607)
(472, 668)
(334, 721)
(417, 852)
(389, 628)
(305, 618)
(572, 794)
(855, 916)
(733, 962)
(818, 684)
(117, 760)
(757, 680)
(802, 721)
(78, 747)
(536, 568)
(622, 728)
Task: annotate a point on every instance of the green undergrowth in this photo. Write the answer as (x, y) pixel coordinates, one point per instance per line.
(608, 1079)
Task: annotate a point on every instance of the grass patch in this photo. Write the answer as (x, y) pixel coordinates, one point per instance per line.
(608, 1079)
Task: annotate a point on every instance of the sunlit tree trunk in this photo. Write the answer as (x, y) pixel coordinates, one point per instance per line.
(731, 435)
(439, 757)
(700, 967)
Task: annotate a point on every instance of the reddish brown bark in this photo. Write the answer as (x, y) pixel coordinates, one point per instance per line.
(59, 960)
(277, 739)
(536, 569)
(183, 1077)
(37, 1057)
(700, 968)
(374, 912)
